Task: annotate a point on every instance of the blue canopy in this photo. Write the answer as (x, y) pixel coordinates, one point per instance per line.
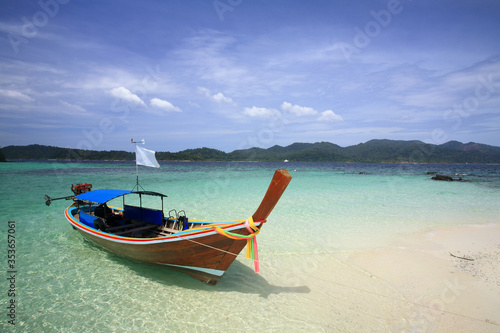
(101, 196)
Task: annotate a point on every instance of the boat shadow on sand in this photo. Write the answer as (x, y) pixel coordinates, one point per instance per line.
(238, 278)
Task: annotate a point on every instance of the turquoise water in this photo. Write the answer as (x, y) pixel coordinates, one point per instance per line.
(66, 284)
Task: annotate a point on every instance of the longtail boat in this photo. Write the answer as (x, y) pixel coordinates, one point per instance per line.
(201, 249)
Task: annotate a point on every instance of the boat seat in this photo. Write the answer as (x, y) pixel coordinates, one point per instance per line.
(149, 226)
(103, 211)
(126, 226)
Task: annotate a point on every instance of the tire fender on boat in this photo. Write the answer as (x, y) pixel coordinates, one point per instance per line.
(99, 224)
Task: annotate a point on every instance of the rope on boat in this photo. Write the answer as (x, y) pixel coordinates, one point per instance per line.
(252, 249)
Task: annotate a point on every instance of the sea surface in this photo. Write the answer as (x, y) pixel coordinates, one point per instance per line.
(63, 283)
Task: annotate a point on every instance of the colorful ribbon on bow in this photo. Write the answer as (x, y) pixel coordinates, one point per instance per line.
(252, 249)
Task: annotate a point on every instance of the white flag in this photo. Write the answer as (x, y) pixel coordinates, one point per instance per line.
(146, 157)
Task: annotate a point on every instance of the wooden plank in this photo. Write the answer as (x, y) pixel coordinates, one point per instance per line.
(169, 230)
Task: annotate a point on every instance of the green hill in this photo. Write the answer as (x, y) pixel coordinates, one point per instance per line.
(374, 151)
(40, 152)
(2, 156)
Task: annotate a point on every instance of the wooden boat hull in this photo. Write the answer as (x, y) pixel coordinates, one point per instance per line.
(201, 252)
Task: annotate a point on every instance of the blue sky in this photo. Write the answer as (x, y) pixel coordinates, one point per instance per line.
(232, 74)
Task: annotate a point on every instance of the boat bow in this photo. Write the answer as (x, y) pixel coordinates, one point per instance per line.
(278, 185)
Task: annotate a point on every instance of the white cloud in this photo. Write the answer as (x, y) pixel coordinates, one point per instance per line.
(194, 104)
(257, 112)
(127, 95)
(329, 116)
(204, 91)
(73, 107)
(164, 105)
(15, 95)
(219, 97)
(298, 110)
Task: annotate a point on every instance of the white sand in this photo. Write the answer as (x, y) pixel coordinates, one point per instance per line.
(453, 294)
(412, 285)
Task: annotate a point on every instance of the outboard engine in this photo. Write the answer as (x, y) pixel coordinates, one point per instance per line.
(81, 188)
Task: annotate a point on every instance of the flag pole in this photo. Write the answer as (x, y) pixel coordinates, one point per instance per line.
(136, 166)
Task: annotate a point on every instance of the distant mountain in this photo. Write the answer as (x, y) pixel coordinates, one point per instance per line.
(465, 153)
(420, 152)
(471, 146)
(318, 152)
(2, 156)
(40, 152)
(374, 151)
(199, 154)
(388, 151)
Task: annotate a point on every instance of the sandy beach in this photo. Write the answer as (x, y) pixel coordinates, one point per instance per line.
(443, 280)
(449, 276)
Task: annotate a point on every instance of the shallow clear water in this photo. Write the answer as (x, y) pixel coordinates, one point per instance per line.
(64, 283)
